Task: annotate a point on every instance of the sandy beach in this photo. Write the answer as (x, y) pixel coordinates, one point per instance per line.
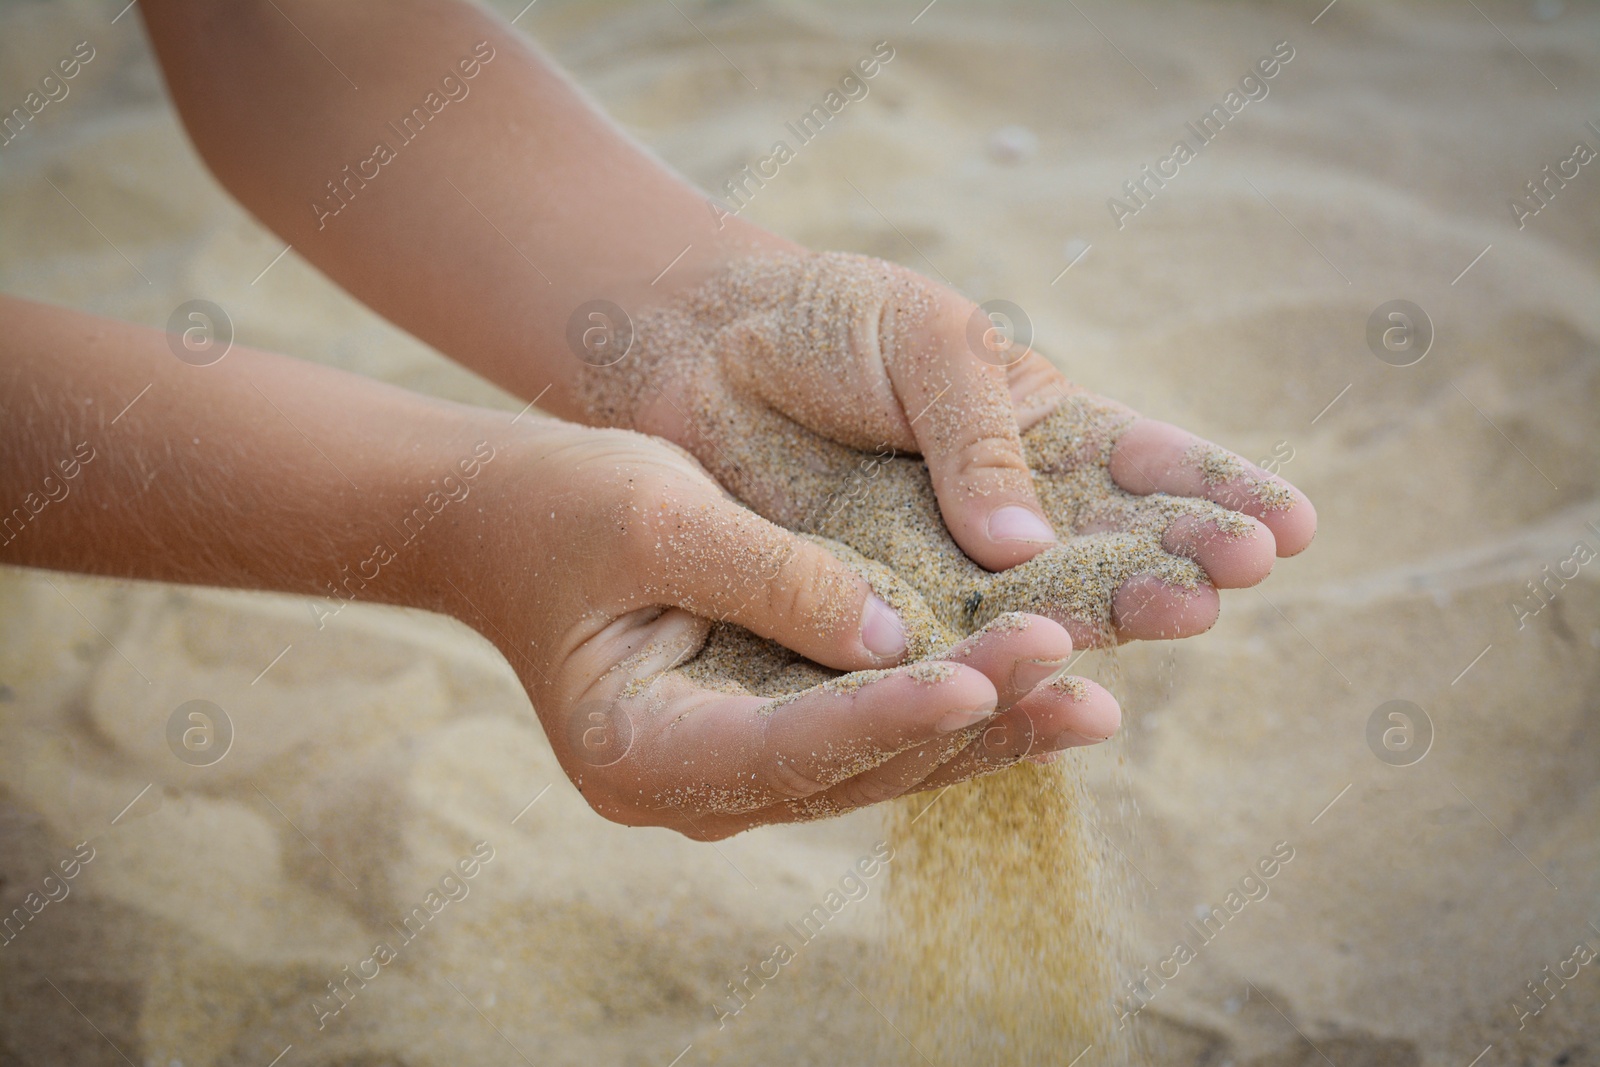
(1434, 893)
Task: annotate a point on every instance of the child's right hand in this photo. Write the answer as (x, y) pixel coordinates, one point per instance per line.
(592, 560)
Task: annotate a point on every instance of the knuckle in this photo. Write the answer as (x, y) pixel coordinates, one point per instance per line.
(915, 313)
(984, 456)
(867, 789)
(797, 584)
(1200, 513)
(1033, 373)
(786, 778)
(1188, 525)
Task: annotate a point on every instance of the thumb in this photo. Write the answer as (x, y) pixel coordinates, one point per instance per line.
(946, 359)
(717, 559)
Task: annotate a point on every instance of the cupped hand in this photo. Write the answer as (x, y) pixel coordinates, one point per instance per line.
(781, 372)
(595, 559)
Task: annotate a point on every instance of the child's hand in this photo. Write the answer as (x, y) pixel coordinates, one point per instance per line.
(763, 370)
(587, 561)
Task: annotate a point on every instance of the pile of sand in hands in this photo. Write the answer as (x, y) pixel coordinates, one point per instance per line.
(1005, 921)
(705, 358)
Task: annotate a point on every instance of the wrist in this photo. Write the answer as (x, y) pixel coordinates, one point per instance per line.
(480, 512)
(436, 512)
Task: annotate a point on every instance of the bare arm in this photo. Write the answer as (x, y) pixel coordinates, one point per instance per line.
(492, 219)
(259, 472)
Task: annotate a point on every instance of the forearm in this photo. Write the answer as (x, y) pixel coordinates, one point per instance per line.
(259, 471)
(491, 220)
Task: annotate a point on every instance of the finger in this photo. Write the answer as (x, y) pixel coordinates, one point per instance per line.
(903, 773)
(1069, 712)
(1110, 587)
(732, 755)
(601, 664)
(1016, 652)
(710, 555)
(1152, 456)
(960, 411)
(1233, 549)
(1231, 560)
(1037, 388)
(1145, 608)
(589, 721)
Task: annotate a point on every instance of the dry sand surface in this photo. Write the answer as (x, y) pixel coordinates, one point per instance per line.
(370, 756)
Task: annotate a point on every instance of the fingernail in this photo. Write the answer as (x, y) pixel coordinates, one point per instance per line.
(1073, 739)
(1096, 721)
(1027, 673)
(1016, 523)
(881, 630)
(960, 720)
